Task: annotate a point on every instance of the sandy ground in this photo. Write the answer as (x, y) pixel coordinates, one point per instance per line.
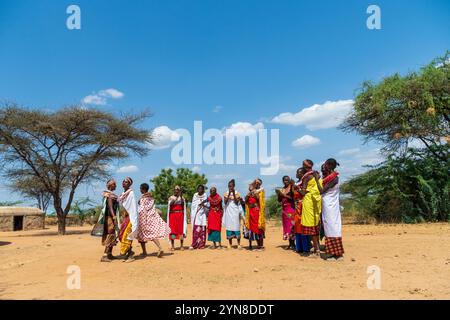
(414, 261)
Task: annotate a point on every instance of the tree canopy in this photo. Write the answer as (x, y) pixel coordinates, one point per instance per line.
(32, 187)
(401, 110)
(165, 182)
(66, 147)
(413, 184)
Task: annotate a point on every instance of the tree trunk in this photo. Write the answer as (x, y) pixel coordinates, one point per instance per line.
(60, 214)
(61, 225)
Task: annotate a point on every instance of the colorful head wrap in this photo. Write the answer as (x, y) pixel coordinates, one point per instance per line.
(129, 180)
(110, 182)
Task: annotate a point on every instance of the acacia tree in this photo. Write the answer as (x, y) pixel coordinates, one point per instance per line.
(67, 147)
(403, 109)
(32, 187)
(412, 185)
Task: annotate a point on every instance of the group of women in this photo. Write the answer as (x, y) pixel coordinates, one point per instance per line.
(311, 205)
(141, 221)
(210, 212)
(307, 204)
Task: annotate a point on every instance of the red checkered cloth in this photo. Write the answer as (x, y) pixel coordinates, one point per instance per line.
(310, 231)
(333, 246)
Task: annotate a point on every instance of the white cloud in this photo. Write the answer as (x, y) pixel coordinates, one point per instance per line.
(128, 169)
(305, 142)
(349, 152)
(318, 116)
(101, 97)
(111, 93)
(224, 176)
(243, 129)
(217, 109)
(94, 99)
(196, 169)
(288, 168)
(357, 163)
(163, 137)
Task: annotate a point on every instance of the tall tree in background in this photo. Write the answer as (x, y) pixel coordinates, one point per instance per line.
(32, 187)
(66, 147)
(165, 182)
(410, 116)
(403, 110)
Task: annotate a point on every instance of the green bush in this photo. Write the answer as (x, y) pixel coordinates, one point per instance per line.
(273, 207)
(412, 188)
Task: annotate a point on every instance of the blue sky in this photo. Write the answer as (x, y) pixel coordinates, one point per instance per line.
(221, 62)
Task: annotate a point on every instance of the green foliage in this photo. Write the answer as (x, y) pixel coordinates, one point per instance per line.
(401, 109)
(273, 207)
(163, 209)
(79, 209)
(414, 187)
(165, 182)
(10, 203)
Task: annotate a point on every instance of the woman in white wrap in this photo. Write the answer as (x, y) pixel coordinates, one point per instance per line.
(129, 227)
(198, 219)
(233, 214)
(331, 211)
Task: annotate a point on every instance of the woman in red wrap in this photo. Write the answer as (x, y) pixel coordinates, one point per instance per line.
(254, 216)
(215, 218)
(176, 218)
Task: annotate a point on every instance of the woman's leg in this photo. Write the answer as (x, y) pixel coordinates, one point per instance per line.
(181, 244)
(160, 250)
(172, 243)
(144, 249)
(158, 244)
(260, 241)
(291, 244)
(298, 243)
(315, 240)
(306, 243)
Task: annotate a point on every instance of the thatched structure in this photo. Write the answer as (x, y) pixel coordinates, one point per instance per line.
(21, 218)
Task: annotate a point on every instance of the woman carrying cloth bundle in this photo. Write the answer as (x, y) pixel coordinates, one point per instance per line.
(107, 225)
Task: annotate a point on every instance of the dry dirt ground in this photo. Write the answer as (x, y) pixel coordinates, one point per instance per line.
(414, 261)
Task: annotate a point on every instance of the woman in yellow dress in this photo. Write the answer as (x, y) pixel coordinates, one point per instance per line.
(311, 208)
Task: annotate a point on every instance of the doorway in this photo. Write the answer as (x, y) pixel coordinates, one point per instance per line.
(18, 223)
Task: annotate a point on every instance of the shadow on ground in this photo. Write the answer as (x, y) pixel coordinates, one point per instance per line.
(54, 233)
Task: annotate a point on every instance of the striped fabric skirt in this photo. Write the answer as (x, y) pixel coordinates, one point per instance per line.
(334, 247)
(311, 231)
